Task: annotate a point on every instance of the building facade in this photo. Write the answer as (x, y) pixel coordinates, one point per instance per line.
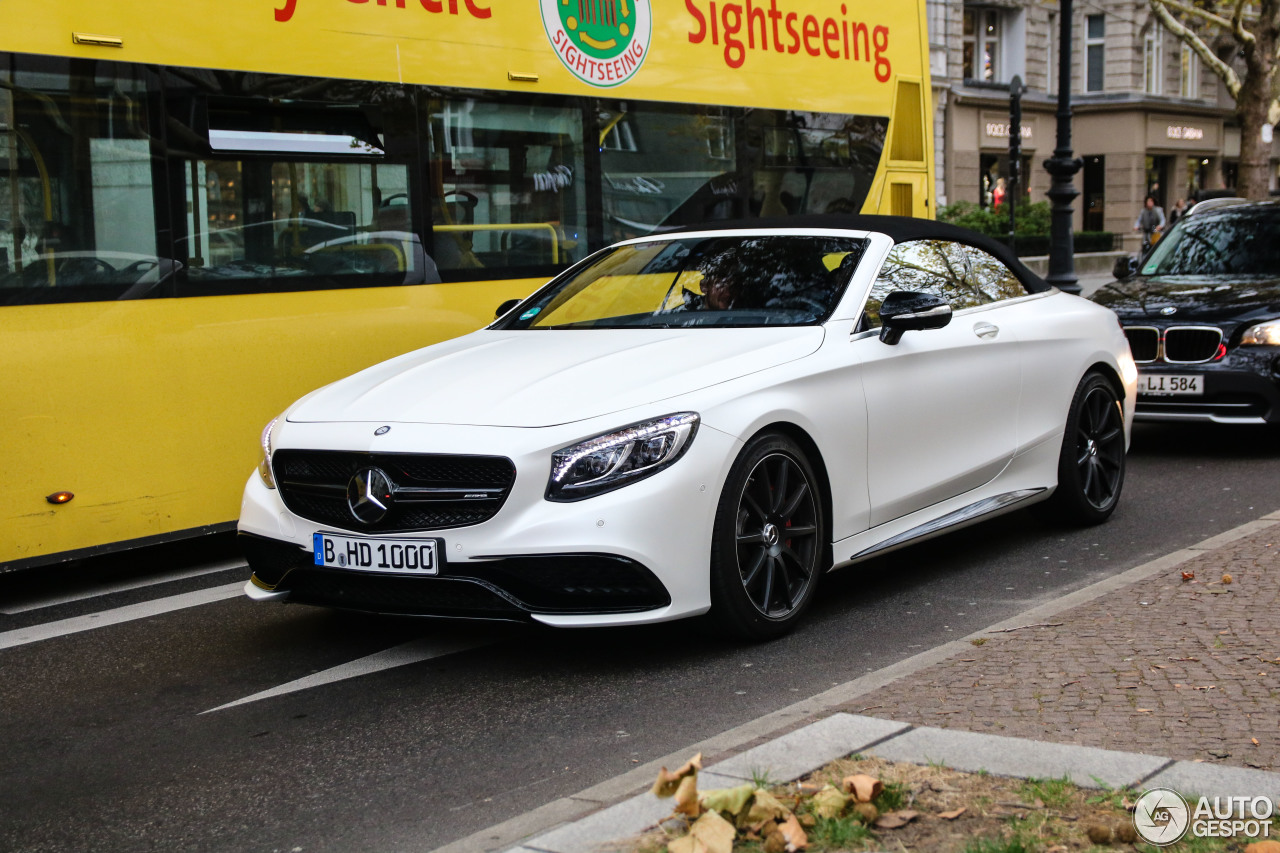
(1148, 117)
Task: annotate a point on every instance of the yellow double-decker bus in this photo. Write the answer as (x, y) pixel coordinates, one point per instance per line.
(208, 209)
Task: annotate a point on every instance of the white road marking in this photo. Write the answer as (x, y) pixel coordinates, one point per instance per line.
(63, 627)
(402, 655)
(124, 586)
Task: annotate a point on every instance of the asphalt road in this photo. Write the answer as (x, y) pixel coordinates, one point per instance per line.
(125, 728)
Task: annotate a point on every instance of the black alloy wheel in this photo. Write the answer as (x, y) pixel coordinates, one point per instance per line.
(1092, 461)
(769, 541)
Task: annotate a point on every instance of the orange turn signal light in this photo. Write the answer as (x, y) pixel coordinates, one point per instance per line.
(59, 497)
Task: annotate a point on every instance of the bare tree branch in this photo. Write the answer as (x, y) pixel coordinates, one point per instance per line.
(1196, 12)
(1190, 38)
(1237, 26)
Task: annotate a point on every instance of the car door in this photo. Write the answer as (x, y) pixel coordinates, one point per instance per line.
(942, 404)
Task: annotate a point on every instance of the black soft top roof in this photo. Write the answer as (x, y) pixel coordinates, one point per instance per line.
(900, 229)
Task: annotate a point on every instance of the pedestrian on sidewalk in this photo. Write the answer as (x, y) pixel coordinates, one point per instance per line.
(1150, 222)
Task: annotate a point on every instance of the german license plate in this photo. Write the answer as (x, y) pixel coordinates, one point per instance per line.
(376, 555)
(1170, 385)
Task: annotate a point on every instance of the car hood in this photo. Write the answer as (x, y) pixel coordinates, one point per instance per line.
(1200, 297)
(549, 377)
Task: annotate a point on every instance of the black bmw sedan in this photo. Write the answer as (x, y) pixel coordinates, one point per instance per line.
(1202, 314)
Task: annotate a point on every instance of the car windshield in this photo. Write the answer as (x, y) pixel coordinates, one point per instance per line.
(1237, 241)
(734, 280)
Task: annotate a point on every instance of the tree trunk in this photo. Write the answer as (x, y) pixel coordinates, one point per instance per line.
(1255, 155)
(1253, 103)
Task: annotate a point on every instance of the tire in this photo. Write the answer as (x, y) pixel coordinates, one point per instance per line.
(768, 545)
(1092, 461)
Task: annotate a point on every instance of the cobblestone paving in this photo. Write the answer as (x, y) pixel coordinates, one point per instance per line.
(1185, 669)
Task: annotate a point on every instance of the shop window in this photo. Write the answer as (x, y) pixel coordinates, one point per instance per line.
(1095, 53)
(1094, 198)
(996, 181)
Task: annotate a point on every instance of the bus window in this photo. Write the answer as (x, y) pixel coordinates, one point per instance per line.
(507, 185)
(285, 222)
(77, 219)
(672, 166)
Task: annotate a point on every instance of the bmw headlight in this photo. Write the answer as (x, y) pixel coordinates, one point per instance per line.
(1263, 334)
(264, 464)
(618, 458)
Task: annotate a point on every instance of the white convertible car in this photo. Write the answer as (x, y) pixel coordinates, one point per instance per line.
(697, 422)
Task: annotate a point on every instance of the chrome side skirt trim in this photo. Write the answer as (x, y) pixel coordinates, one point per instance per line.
(1196, 417)
(961, 516)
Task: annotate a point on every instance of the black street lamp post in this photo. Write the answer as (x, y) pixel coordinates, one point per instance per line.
(1063, 167)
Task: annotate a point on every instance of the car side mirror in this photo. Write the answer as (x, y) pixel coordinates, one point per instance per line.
(505, 307)
(1125, 266)
(906, 310)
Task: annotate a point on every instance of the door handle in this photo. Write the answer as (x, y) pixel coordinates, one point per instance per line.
(985, 330)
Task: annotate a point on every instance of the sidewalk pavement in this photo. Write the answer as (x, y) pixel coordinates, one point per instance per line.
(1143, 679)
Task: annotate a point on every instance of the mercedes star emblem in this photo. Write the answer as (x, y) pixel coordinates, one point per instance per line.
(369, 495)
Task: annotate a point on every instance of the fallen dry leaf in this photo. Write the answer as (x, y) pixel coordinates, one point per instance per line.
(668, 783)
(709, 834)
(1226, 578)
(794, 835)
(687, 797)
(764, 807)
(952, 815)
(1255, 740)
(1188, 576)
(829, 802)
(1144, 710)
(1271, 846)
(863, 787)
(896, 820)
(731, 801)
(866, 812)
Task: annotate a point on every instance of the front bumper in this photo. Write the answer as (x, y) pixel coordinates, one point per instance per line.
(1242, 388)
(505, 588)
(635, 555)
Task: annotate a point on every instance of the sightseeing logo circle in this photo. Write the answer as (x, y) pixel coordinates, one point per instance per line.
(603, 42)
(1161, 817)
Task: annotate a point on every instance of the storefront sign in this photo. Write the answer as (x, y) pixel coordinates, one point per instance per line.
(1199, 135)
(994, 130)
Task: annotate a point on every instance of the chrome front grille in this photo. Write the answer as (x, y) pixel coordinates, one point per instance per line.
(1174, 345)
(429, 491)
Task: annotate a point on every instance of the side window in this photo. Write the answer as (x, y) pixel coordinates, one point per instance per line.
(508, 186)
(77, 198)
(991, 277)
(937, 267)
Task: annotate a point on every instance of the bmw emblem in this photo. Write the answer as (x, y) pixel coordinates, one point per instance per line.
(382, 430)
(1168, 309)
(370, 494)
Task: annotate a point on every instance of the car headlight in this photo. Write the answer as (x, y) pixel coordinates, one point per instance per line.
(264, 464)
(618, 458)
(1263, 334)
